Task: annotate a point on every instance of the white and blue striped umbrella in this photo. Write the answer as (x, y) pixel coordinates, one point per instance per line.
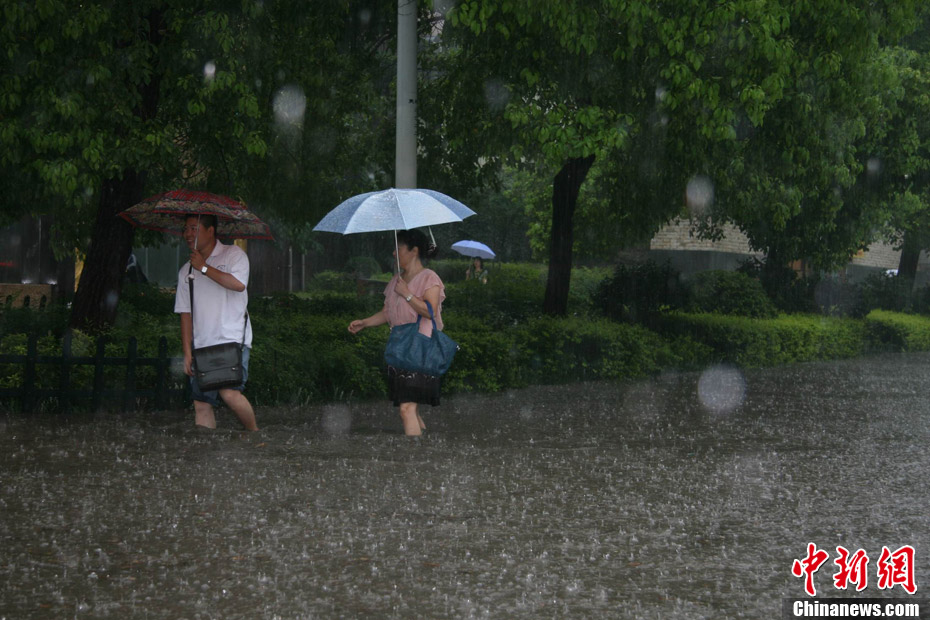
(393, 209)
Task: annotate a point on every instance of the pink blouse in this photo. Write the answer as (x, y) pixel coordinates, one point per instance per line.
(398, 311)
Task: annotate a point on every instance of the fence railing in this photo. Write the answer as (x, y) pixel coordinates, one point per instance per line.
(160, 392)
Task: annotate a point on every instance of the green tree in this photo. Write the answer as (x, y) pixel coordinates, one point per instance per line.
(104, 103)
(898, 170)
(800, 179)
(741, 110)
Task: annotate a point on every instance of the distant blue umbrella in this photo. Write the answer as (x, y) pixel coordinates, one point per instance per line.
(466, 247)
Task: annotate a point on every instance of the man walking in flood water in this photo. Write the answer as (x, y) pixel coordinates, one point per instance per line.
(220, 274)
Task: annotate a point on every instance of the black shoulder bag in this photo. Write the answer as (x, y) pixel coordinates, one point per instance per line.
(220, 365)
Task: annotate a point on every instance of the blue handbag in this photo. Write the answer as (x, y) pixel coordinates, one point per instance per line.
(408, 349)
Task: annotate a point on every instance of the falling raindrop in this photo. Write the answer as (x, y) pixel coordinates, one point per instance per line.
(496, 94)
(209, 71)
(443, 6)
(721, 389)
(111, 300)
(873, 166)
(289, 106)
(337, 419)
(699, 193)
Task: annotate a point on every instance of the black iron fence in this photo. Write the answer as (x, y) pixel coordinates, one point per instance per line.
(145, 381)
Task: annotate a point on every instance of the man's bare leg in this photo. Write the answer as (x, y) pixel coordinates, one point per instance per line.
(203, 414)
(241, 406)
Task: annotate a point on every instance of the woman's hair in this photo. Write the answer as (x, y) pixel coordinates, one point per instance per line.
(480, 262)
(415, 238)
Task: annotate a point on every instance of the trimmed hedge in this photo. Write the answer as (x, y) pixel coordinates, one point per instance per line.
(303, 351)
(893, 331)
(770, 342)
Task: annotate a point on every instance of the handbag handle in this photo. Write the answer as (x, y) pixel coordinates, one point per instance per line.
(431, 318)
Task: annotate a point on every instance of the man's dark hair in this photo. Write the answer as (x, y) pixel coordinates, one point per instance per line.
(206, 219)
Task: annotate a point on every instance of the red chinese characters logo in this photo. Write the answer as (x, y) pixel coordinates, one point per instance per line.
(852, 569)
(893, 568)
(809, 565)
(897, 568)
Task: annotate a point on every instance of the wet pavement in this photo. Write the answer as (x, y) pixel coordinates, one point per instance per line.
(684, 496)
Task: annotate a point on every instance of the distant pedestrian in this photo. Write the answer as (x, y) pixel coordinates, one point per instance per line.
(477, 271)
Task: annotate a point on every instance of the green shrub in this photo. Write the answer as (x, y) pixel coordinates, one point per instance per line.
(769, 342)
(789, 293)
(331, 281)
(485, 361)
(557, 350)
(834, 297)
(53, 318)
(886, 292)
(892, 331)
(638, 293)
(728, 292)
(583, 290)
(49, 375)
(363, 267)
(451, 270)
(513, 294)
(147, 298)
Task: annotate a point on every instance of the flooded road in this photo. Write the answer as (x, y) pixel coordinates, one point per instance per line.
(684, 496)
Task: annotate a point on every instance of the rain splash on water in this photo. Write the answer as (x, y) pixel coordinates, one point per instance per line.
(684, 496)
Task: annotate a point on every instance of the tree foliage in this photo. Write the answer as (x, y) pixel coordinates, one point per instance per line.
(756, 112)
(104, 102)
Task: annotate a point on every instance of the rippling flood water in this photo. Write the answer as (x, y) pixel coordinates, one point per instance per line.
(684, 496)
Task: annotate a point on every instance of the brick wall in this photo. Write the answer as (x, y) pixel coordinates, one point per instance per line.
(676, 235)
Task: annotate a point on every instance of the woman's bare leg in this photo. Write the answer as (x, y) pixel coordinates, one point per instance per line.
(411, 419)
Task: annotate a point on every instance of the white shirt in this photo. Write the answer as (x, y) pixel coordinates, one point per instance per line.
(219, 313)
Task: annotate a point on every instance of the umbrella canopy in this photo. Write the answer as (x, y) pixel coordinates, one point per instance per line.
(393, 209)
(165, 213)
(467, 247)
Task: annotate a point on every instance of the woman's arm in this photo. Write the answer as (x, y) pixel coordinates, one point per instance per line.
(419, 303)
(378, 318)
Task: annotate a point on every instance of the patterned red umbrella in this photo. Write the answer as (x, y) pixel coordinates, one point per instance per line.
(165, 213)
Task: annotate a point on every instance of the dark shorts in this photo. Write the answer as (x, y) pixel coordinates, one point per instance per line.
(405, 386)
(213, 396)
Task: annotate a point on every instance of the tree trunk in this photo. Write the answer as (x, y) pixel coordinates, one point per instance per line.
(101, 281)
(910, 255)
(565, 189)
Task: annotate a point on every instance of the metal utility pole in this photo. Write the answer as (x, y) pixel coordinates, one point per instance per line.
(405, 158)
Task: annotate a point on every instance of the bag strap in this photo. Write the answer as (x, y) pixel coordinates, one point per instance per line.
(245, 316)
(431, 317)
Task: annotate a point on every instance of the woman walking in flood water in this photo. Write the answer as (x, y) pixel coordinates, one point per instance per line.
(405, 298)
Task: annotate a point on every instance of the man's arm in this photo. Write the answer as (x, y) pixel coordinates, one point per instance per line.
(187, 338)
(226, 280)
